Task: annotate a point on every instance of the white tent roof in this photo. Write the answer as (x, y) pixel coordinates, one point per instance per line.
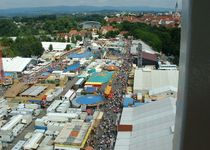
(57, 46)
(152, 126)
(16, 64)
(148, 80)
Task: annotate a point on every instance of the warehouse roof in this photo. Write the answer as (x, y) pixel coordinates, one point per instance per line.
(152, 126)
(33, 91)
(16, 64)
(147, 80)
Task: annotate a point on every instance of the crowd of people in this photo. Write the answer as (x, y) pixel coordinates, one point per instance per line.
(105, 136)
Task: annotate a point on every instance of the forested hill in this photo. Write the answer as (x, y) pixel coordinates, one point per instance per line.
(36, 11)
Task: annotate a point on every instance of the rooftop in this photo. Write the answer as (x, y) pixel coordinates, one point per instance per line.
(100, 78)
(89, 99)
(73, 67)
(151, 79)
(16, 64)
(73, 134)
(33, 91)
(152, 126)
(57, 46)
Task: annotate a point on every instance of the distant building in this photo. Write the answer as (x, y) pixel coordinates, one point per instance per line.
(149, 56)
(106, 29)
(167, 20)
(90, 25)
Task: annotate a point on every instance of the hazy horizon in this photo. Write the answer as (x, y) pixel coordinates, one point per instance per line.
(6, 4)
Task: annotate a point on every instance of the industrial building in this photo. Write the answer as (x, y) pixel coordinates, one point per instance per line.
(147, 127)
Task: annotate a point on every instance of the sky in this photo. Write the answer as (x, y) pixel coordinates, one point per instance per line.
(4, 4)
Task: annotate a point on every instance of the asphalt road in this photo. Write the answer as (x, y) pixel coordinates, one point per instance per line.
(105, 136)
(69, 85)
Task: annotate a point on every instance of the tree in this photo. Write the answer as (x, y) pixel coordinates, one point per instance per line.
(50, 47)
(73, 40)
(8, 28)
(6, 42)
(159, 38)
(68, 47)
(68, 39)
(59, 39)
(26, 47)
(112, 34)
(63, 40)
(78, 38)
(45, 38)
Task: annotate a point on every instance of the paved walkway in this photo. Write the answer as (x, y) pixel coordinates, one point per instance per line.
(105, 136)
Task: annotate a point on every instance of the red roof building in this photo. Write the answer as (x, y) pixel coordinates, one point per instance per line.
(106, 29)
(155, 20)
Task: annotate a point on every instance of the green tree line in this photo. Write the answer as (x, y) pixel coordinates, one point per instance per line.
(161, 39)
(26, 46)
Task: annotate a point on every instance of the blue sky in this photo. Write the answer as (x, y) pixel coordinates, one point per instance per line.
(38, 3)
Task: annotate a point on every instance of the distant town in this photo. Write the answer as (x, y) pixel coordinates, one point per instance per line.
(89, 81)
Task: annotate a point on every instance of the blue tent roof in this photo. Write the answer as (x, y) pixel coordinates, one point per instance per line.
(50, 70)
(90, 89)
(128, 101)
(89, 99)
(73, 67)
(35, 101)
(9, 74)
(86, 54)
